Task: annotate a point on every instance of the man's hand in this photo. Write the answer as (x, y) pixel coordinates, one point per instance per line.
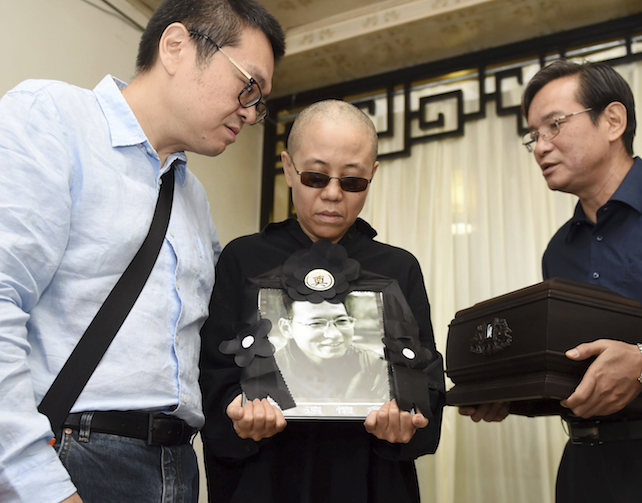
(489, 412)
(393, 424)
(74, 498)
(257, 419)
(611, 381)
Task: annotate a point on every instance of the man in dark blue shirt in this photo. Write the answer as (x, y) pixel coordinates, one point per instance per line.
(582, 123)
(602, 244)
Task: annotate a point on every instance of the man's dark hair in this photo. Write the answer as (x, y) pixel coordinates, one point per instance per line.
(599, 85)
(221, 20)
(288, 301)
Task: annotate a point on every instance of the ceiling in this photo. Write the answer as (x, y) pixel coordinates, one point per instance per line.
(332, 41)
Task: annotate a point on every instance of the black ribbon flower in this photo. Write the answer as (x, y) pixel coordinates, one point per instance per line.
(250, 341)
(322, 272)
(407, 352)
(410, 365)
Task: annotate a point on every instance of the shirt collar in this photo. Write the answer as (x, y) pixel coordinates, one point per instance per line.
(362, 227)
(628, 193)
(180, 165)
(124, 129)
(630, 190)
(359, 227)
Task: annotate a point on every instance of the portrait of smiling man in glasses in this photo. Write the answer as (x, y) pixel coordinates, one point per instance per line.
(320, 361)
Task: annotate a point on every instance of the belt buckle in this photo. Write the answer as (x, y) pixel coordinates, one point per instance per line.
(585, 433)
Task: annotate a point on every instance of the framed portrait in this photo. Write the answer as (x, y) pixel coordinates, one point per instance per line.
(328, 340)
(330, 355)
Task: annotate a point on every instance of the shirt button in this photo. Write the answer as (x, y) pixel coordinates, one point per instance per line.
(171, 232)
(185, 399)
(178, 285)
(596, 275)
(177, 340)
(599, 238)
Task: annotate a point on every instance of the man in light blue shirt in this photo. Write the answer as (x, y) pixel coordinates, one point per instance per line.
(82, 175)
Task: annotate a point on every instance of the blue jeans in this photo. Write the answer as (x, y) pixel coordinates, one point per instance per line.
(110, 468)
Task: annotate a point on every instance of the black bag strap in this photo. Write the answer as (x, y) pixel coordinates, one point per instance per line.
(85, 357)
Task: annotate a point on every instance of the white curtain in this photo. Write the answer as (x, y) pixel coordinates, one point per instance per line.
(478, 215)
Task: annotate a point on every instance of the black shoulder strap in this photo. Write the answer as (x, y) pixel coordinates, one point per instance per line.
(85, 357)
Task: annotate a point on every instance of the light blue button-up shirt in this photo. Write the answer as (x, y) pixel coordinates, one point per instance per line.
(78, 191)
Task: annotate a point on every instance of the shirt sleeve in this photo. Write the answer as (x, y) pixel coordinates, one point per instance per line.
(35, 204)
(220, 376)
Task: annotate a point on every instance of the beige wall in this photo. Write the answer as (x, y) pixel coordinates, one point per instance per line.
(73, 41)
(63, 39)
(233, 184)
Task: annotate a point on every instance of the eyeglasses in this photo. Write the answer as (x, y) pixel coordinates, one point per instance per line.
(547, 131)
(250, 95)
(319, 180)
(321, 324)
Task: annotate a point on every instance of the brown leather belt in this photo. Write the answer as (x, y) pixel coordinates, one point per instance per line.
(155, 429)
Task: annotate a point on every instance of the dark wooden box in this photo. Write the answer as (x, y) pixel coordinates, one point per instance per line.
(511, 348)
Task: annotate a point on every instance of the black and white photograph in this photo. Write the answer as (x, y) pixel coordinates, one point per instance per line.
(329, 354)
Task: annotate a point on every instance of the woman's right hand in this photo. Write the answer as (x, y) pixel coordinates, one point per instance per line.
(257, 419)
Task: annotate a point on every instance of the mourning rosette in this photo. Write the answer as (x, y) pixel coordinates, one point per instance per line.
(402, 342)
(320, 273)
(410, 364)
(250, 341)
(413, 366)
(253, 352)
(407, 352)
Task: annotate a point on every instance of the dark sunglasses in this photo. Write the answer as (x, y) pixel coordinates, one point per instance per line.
(318, 180)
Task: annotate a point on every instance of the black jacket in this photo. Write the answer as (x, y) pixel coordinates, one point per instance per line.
(316, 461)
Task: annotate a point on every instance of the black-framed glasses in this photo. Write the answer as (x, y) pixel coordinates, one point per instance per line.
(321, 324)
(547, 131)
(250, 95)
(318, 180)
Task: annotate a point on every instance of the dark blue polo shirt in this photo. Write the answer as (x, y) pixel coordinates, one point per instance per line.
(609, 252)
